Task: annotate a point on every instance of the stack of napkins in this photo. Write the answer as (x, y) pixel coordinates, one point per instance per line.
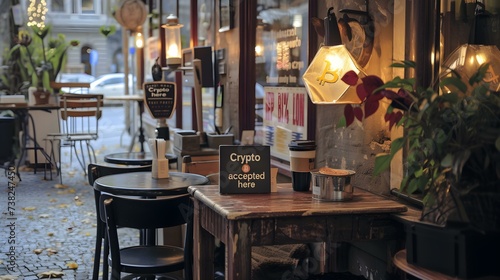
(158, 148)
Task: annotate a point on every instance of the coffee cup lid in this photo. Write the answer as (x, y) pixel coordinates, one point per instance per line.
(302, 145)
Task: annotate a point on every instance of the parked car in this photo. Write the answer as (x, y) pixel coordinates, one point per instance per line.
(73, 78)
(109, 85)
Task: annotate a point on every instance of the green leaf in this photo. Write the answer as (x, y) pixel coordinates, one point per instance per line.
(382, 163)
(450, 97)
(396, 145)
(419, 172)
(342, 122)
(440, 136)
(447, 161)
(404, 64)
(418, 183)
(412, 186)
(453, 82)
(479, 75)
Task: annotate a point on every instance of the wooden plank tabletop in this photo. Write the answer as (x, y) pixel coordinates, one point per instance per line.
(286, 202)
(130, 97)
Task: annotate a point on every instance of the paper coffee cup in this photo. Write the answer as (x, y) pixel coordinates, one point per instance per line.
(302, 159)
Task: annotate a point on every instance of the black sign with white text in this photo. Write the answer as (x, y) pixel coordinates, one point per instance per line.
(160, 99)
(244, 169)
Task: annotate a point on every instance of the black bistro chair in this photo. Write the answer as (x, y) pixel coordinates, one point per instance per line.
(94, 171)
(139, 213)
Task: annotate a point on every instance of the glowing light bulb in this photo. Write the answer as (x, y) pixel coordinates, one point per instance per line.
(139, 40)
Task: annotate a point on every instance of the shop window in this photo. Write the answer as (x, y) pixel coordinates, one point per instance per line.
(88, 7)
(281, 58)
(57, 6)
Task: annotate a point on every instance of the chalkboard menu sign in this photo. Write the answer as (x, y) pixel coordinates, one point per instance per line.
(244, 169)
(160, 99)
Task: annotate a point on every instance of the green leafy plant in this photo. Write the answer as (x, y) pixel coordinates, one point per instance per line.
(36, 62)
(107, 30)
(452, 140)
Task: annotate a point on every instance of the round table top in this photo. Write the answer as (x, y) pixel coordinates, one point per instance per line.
(135, 158)
(143, 184)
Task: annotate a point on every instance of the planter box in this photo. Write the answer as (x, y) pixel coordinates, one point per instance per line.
(454, 251)
(215, 140)
(187, 141)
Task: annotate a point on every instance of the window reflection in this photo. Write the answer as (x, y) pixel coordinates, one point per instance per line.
(57, 6)
(88, 6)
(281, 59)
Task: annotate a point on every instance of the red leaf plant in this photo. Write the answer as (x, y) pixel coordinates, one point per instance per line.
(371, 91)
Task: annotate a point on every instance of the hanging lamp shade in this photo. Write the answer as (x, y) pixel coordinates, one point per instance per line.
(467, 58)
(173, 41)
(323, 77)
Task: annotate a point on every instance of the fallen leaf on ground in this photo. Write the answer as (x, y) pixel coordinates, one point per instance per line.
(72, 265)
(66, 191)
(51, 274)
(29, 208)
(79, 203)
(51, 251)
(43, 216)
(38, 251)
(50, 234)
(60, 186)
(63, 205)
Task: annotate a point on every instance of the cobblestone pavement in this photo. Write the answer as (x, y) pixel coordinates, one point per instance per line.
(45, 226)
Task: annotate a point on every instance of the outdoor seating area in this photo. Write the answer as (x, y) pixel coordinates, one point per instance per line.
(56, 225)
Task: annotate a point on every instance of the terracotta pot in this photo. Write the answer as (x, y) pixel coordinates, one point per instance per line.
(41, 97)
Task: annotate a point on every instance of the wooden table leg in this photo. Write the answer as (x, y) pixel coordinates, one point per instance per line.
(203, 248)
(239, 251)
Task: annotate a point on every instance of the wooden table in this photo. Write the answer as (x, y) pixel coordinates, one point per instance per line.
(140, 101)
(285, 217)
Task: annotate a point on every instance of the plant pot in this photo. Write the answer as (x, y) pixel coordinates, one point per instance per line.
(457, 251)
(41, 97)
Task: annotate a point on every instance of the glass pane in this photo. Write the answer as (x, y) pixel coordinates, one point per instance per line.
(281, 59)
(57, 6)
(88, 7)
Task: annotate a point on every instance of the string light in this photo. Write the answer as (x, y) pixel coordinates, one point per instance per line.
(37, 10)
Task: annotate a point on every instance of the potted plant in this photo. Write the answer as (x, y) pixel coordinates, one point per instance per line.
(37, 62)
(452, 145)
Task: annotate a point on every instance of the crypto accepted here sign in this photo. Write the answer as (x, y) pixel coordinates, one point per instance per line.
(244, 169)
(160, 99)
